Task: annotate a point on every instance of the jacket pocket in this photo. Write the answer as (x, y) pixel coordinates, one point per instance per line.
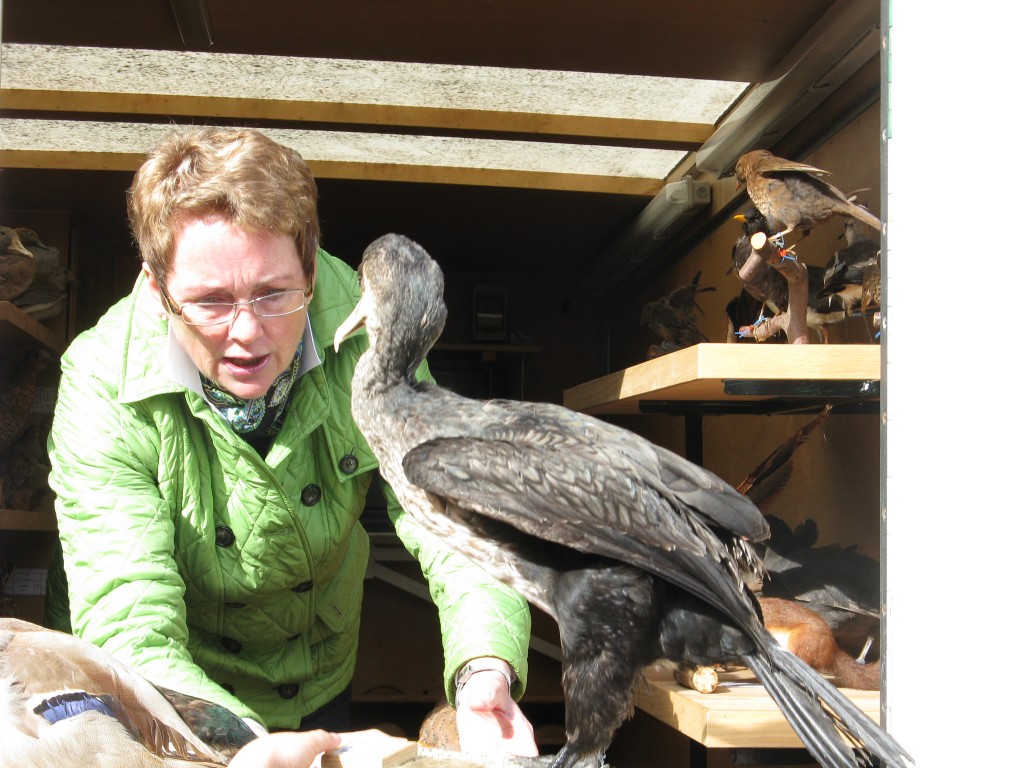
(339, 601)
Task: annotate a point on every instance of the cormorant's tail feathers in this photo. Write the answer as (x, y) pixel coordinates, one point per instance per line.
(820, 713)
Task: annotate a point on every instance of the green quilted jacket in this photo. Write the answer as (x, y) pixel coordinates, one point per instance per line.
(219, 574)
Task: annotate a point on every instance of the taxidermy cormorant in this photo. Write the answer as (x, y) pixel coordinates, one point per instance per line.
(636, 553)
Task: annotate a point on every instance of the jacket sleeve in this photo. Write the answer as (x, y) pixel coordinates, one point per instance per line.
(125, 593)
(479, 615)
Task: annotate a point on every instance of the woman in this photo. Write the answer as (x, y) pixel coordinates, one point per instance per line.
(208, 474)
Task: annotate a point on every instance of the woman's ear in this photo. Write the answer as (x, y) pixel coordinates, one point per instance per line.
(152, 289)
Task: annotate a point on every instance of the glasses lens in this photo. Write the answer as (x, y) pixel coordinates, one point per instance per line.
(283, 303)
(206, 313)
(271, 305)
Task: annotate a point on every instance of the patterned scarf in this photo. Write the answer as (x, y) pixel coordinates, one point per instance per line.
(262, 416)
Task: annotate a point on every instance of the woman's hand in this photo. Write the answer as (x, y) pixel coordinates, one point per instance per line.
(287, 749)
(489, 720)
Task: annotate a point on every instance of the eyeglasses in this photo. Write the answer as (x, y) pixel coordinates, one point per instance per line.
(202, 313)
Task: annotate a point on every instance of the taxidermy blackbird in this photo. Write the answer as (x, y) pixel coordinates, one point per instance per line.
(791, 196)
(766, 283)
(769, 285)
(845, 275)
(635, 552)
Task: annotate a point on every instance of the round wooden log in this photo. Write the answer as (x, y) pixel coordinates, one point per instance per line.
(700, 679)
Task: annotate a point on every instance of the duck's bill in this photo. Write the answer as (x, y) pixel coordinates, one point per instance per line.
(18, 247)
(352, 323)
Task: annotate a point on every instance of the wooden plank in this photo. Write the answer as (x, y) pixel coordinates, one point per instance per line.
(42, 520)
(698, 372)
(740, 713)
(97, 145)
(682, 135)
(448, 97)
(326, 169)
(16, 327)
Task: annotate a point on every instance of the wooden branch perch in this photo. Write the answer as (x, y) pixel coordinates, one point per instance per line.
(700, 679)
(793, 322)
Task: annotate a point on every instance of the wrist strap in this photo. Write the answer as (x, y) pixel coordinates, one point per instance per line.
(473, 666)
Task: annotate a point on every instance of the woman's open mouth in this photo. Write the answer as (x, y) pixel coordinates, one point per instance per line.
(246, 366)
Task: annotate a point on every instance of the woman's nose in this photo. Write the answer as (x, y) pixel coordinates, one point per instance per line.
(246, 324)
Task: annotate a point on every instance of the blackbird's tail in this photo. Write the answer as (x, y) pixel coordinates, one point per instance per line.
(862, 213)
(834, 730)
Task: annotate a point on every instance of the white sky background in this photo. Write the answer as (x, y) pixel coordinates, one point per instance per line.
(953, 378)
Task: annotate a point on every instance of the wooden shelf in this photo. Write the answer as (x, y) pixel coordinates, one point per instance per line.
(16, 327)
(730, 372)
(739, 714)
(40, 520)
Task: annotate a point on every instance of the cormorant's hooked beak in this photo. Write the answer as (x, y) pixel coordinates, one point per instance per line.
(352, 323)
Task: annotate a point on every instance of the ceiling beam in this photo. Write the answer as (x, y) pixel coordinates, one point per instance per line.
(684, 136)
(97, 145)
(577, 106)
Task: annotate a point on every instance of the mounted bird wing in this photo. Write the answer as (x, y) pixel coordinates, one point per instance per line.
(60, 687)
(575, 481)
(774, 164)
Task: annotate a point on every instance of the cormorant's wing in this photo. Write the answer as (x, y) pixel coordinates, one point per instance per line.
(708, 497)
(596, 489)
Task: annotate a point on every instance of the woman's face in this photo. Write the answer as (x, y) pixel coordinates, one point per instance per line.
(215, 261)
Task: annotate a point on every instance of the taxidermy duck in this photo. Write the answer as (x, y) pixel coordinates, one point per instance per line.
(17, 265)
(63, 701)
(47, 295)
(672, 320)
(24, 471)
(18, 384)
(635, 552)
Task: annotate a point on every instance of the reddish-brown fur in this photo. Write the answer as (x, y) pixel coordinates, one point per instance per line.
(804, 633)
